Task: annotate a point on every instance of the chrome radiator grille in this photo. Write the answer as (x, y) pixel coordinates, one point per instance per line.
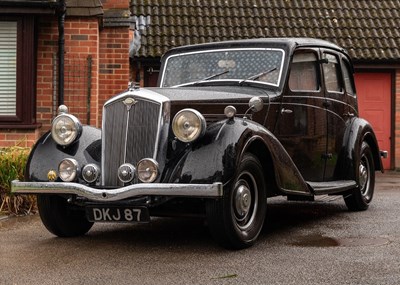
(129, 134)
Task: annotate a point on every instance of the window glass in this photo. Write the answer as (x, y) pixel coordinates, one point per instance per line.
(8, 68)
(347, 76)
(17, 62)
(303, 74)
(258, 64)
(331, 73)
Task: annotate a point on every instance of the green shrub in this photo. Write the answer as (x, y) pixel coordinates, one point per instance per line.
(12, 166)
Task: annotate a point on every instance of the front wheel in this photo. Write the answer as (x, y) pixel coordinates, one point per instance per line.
(360, 198)
(62, 218)
(236, 220)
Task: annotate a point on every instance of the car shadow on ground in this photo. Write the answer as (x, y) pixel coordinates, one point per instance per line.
(283, 218)
(284, 215)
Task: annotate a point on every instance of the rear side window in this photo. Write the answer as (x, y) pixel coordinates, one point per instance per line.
(304, 72)
(332, 73)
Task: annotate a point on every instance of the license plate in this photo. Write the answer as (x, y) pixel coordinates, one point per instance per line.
(117, 214)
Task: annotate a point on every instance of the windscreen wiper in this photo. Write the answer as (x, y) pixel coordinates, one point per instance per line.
(205, 79)
(258, 75)
(215, 75)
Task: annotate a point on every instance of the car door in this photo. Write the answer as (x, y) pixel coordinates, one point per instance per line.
(302, 122)
(337, 111)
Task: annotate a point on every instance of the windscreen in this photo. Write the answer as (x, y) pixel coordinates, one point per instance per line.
(261, 65)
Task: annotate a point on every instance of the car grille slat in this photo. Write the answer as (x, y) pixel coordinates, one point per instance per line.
(129, 135)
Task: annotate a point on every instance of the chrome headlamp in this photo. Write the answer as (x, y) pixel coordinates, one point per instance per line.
(68, 169)
(65, 128)
(147, 170)
(188, 125)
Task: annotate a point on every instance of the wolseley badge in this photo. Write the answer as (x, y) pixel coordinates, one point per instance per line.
(129, 102)
(52, 175)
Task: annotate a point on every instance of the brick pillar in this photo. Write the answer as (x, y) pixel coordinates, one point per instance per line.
(46, 57)
(81, 44)
(113, 63)
(81, 41)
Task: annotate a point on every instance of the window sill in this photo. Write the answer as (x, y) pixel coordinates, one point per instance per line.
(19, 127)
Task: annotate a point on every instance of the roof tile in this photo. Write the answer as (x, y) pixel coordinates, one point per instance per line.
(367, 29)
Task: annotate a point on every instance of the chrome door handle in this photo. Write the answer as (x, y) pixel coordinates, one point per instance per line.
(286, 111)
(348, 114)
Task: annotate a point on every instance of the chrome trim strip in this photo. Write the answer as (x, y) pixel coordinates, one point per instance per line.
(126, 134)
(145, 94)
(214, 190)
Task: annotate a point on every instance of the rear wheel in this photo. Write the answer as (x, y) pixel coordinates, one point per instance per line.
(360, 197)
(236, 220)
(62, 218)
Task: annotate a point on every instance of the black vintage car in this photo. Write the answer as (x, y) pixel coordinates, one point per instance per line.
(231, 124)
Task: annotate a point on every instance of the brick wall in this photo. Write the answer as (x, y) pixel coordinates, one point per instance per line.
(115, 4)
(46, 58)
(81, 41)
(81, 54)
(113, 63)
(85, 41)
(22, 138)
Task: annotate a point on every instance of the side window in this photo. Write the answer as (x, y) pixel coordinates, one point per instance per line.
(332, 73)
(348, 78)
(304, 72)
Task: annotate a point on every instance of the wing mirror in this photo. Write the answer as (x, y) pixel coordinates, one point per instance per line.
(256, 104)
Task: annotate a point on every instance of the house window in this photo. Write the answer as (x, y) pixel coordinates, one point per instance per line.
(17, 72)
(8, 68)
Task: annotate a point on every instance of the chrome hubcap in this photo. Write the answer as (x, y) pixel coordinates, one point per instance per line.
(363, 176)
(242, 201)
(245, 201)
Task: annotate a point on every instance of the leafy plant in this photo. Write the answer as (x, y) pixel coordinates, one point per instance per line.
(12, 166)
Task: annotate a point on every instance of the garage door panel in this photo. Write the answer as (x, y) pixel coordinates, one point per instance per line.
(374, 103)
(376, 118)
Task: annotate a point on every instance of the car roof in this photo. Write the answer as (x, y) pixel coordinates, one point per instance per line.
(287, 43)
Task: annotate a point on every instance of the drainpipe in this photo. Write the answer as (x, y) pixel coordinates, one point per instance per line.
(61, 42)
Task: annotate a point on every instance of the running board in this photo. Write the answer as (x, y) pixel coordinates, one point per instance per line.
(331, 187)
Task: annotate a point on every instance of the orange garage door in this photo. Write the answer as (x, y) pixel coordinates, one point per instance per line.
(374, 102)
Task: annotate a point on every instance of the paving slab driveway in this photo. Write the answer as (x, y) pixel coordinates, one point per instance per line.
(302, 243)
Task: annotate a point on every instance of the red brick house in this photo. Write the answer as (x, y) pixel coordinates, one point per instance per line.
(367, 29)
(96, 59)
(95, 62)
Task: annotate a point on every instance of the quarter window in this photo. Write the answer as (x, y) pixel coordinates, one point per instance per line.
(347, 77)
(331, 73)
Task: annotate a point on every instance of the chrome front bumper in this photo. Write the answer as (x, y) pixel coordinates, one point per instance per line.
(214, 190)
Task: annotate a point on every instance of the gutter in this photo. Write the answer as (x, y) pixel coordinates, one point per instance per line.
(61, 11)
(29, 7)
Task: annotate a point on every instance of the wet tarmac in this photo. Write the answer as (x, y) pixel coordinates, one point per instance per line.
(301, 243)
